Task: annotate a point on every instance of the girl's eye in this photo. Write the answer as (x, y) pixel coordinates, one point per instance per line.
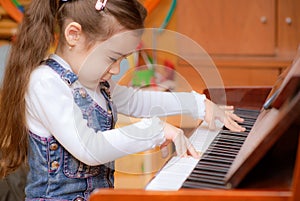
(113, 59)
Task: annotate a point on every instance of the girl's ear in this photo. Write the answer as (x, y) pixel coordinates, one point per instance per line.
(72, 33)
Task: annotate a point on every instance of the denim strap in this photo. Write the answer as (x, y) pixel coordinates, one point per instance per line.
(104, 89)
(66, 75)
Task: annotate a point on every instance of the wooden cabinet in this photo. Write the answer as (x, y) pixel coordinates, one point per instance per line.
(288, 27)
(242, 27)
(251, 42)
(234, 27)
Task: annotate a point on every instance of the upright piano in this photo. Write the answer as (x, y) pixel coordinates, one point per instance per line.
(262, 163)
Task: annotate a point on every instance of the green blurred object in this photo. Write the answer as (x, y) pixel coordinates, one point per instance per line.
(142, 77)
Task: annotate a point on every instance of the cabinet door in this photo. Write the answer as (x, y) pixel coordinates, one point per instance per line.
(232, 27)
(288, 27)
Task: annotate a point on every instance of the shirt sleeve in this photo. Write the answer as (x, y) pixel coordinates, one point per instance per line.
(50, 102)
(140, 103)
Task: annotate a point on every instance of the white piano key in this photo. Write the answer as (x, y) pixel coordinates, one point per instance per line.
(174, 173)
(202, 137)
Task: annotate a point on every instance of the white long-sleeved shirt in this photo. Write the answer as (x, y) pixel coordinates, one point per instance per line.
(51, 111)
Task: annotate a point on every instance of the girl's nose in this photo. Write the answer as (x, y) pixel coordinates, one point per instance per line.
(115, 68)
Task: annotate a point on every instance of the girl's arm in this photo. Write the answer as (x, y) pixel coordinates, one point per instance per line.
(51, 111)
(140, 103)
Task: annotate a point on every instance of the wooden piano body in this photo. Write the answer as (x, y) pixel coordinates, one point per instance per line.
(271, 172)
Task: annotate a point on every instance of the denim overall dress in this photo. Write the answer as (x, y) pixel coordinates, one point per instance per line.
(54, 173)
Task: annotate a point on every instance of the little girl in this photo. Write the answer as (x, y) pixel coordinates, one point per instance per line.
(58, 112)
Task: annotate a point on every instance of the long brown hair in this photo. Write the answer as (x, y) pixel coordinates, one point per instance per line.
(34, 38)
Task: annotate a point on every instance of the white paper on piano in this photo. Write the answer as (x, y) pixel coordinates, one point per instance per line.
(175, 172)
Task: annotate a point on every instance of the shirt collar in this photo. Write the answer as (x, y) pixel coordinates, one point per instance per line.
(61, 61)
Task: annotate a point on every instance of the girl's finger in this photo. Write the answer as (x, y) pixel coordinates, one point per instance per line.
(166, 143)
(226, 107)
(164, 152)
(235, 117)
(233, 126)
(191, 149)
(192, 152)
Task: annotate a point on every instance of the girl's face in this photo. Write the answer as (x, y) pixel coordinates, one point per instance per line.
(104, 59)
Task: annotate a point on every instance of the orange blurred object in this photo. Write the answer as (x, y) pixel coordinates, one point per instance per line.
(150, 5)
(12, 10)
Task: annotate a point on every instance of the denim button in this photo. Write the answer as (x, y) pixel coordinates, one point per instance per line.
(82, 93)
(53, 147)
(55, 165)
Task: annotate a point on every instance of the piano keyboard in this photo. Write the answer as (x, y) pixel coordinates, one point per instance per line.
(220, 148)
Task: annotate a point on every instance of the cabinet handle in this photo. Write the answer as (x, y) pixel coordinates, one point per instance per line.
(263, 19)
(288, 20)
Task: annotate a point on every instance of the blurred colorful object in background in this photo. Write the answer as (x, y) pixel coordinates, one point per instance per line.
(13, 8)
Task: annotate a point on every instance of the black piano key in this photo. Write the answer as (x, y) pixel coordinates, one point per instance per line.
(244, 134)
(222, 150)
(213, 153)
(191, 184)
(211, 168)
(237, 145)
(229, 140)
(247, 125)
(218, 159)
(217, 163)
(220, 154)
(226, 135)
(195, 176)
(216, 154)
(247, 116)
(230, 147)
(213, 164)
(224, 138)
(199, 171)
(235, 138)
(242, 111)
(219, 181)
(227, 144)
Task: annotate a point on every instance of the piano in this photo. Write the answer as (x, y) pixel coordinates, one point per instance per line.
(262, 163)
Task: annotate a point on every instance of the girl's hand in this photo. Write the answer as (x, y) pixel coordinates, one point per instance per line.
(224, 114)
(183, 146)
